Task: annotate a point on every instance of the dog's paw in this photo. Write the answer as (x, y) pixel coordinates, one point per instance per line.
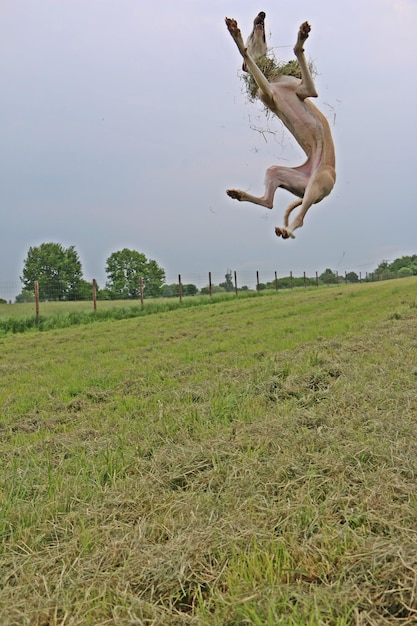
(302, 36)
(234, 30)
(231, 24)
(304, 31)
(284, 233)
(235, 194)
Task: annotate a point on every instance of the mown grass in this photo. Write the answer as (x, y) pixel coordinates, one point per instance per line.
(19, 318)
(252, 462)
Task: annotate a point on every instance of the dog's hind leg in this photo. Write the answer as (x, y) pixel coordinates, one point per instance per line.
(319, 186)
(292, 179)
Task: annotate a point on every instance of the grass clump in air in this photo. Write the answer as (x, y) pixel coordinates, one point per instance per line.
(272, 69)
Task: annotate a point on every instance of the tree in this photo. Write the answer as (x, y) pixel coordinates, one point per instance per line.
(26, 295)
(404, 266)
(404, 271)
(383, 271)
(57, 270)
(205, 291)
(189, 290)
(124, 269)
(228, 283)
(84, 290)
(352, 277)
(173, 290)
(409, 262)
(170, 291)
(328, 277)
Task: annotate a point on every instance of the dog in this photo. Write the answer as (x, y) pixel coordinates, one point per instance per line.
(286, 97)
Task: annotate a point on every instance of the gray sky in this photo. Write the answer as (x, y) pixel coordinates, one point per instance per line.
(123, 122)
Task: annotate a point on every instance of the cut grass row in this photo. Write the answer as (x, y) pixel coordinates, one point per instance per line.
(252, 462)
(18, 318)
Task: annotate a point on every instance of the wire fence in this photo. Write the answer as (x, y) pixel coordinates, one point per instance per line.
(189, 285)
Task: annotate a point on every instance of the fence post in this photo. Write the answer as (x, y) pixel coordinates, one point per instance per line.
(210, 286)
(36, 288)
(305, 280)
(276, 282)
(179, 287)
(317, 279)
(257, 280)
(94, 284)
(360, 277)
(141, 291)
(235, 274)
(291, 281)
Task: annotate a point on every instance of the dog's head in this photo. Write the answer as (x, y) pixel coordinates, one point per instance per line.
(256, 43)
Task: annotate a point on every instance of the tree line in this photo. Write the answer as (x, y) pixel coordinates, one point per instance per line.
(59, 274)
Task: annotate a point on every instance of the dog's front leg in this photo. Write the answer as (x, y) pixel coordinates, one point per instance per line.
(249, 63)
(306, 88)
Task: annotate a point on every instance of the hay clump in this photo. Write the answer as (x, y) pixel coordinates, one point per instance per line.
(272, 69)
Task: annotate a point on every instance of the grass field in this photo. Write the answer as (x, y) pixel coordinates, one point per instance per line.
(253, 461)
(21, 317)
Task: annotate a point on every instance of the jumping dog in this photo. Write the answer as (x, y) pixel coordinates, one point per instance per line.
(286, 97)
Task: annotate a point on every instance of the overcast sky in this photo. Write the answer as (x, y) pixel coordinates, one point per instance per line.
(123, 122)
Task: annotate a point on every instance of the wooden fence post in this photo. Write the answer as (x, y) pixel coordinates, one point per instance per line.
(141, 291)
(276, 281)
(210, 286)
(317, 279)
(180, 287)
(36, 288)
(305, 280)
(94, 284)
(291, 281)
(235, 274)
(257, 280)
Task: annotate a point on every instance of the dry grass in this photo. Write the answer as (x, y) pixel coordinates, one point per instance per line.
(272, 69)
(158, 483)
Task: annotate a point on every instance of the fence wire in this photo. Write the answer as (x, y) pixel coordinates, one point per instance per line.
(201, 283)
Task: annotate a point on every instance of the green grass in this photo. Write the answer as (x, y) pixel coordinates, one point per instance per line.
(19, 318)
(253, 461)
